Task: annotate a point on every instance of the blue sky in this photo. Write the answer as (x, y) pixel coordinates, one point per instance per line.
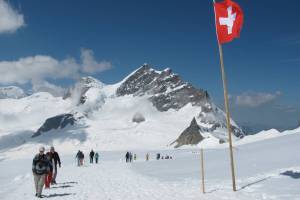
(263, 66)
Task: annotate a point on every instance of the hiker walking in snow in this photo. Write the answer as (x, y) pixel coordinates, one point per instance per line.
(96, 157)
(81, 158)
(78, 158)
(56, 161)
(92, 153)
(40, 167)
(147, 156)
(127, 156)
(130, 157)
(48, 177)
(157, 156)
(134, 157)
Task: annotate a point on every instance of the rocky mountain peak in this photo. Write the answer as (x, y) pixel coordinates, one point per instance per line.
(166, 90)
(190, 136)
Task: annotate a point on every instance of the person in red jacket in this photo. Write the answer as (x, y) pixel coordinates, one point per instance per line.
(56, 161)
(48, 178)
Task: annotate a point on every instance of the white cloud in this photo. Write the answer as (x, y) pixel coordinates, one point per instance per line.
(41, 67)
(36, 68)
(45, 86)
(254, 99)
(10, 19)
(90, 65)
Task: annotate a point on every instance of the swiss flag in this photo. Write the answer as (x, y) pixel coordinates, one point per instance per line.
(229, 20)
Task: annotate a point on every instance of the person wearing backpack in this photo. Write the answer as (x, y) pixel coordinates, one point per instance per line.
(40, 167)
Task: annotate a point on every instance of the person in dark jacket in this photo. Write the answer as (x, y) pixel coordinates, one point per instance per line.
(48, 178)
(56, 159)
(40, 167)
(127, 156)
(78, 157)
(92, 153)
(96, 157)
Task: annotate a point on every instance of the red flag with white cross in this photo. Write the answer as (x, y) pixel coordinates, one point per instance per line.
(229, 20)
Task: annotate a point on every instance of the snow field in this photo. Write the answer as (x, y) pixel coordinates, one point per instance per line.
(265, 170)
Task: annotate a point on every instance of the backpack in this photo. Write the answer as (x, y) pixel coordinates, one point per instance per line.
(40, 165)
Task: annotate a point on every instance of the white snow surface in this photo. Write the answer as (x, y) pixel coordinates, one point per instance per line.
(265, 169)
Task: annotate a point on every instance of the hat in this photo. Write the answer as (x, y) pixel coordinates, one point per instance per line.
(52, 148)
(42, 148)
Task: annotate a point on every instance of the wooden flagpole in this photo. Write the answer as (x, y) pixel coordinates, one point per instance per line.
(227, 116)
(227, 110)
(202, 171)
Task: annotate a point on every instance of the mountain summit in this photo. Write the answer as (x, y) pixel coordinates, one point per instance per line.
(147, 109)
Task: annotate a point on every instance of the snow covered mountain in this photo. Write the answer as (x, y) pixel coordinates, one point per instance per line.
(148, 109)
(11, 92)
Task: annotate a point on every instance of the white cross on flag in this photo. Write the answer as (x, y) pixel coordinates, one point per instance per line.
(229, 20)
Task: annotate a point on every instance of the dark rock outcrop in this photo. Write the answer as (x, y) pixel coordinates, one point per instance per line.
(57, 122)
(166, 90)
(190, 136)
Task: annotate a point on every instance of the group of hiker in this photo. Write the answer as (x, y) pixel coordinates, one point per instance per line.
(44, 165)
(44, 169)
(129, 156)
(158, 156)
(80, 157)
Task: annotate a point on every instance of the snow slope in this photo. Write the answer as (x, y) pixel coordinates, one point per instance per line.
(266, 169)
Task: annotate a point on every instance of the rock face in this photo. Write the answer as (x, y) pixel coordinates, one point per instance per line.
(11, 92)
(166, 90)
(57, 122)
(190, 136)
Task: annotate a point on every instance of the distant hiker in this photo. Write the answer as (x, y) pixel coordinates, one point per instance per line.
(147, 156)
(127, 156)
(130, 157)
(92, 153)
(56, 161)
(96, 157)
(40, 167)
(79, 156)
(157, 156)
(134, 157)
(48, 178)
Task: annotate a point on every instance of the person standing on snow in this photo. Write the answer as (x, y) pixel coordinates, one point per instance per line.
(127, 156)
(40, 167)
(96, 157)
(130, 157)
(147, 156)
(92, 153)
(48, 177)
(56, 161)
